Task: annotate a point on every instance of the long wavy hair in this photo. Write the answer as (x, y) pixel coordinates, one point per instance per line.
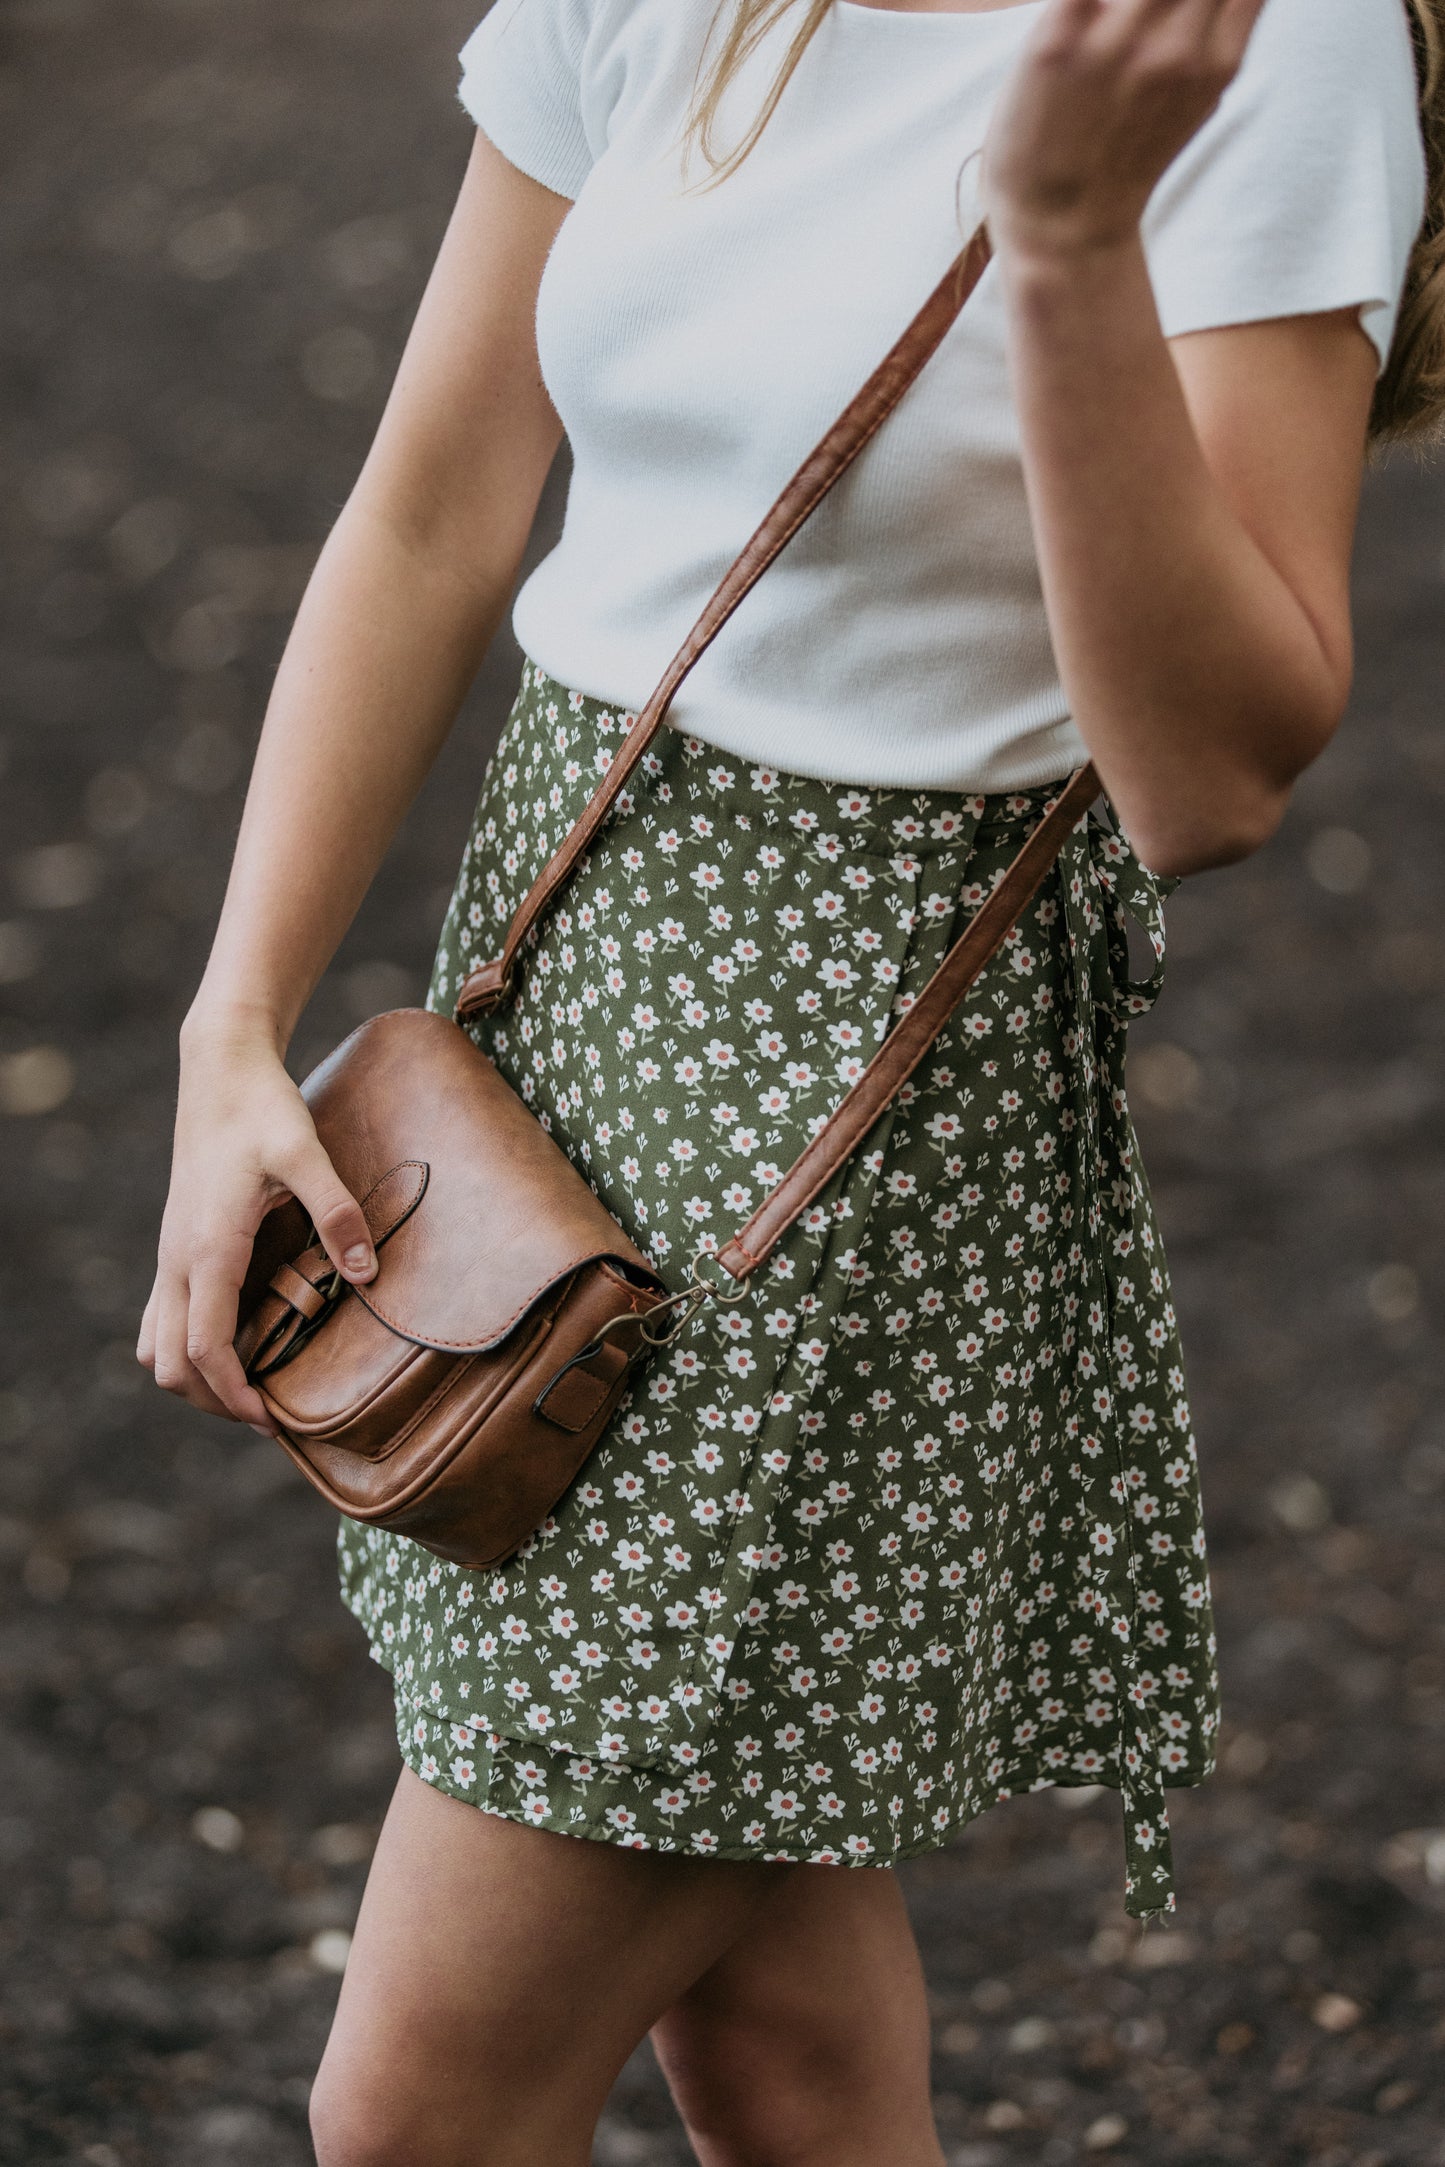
(1410, 397)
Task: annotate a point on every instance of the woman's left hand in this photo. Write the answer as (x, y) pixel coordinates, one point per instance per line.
(1105, 96)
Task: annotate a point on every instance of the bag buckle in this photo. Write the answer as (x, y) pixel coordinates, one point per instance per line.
(486, 988)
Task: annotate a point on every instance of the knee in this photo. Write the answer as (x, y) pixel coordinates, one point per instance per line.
(365, 2121)
(800, 2083)
(444, 2109)
(356, 2124)
(758, 2096)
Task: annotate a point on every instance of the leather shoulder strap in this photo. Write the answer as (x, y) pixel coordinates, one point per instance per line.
(490, 984)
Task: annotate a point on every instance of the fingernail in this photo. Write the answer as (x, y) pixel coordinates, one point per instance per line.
(261, 1430)
(359, 1259)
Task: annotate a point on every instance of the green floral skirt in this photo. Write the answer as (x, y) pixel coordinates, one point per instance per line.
(912, 1523)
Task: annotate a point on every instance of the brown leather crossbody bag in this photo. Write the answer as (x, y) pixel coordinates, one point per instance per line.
(455, 1398)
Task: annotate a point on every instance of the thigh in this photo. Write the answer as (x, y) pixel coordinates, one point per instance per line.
(808, 2038)
(499, 1978)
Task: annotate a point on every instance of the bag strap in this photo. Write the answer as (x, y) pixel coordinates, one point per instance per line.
(491, 984)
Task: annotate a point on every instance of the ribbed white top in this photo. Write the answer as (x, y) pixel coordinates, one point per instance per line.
(696, 345)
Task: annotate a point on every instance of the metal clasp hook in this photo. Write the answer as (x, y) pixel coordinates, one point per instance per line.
(683, 1307)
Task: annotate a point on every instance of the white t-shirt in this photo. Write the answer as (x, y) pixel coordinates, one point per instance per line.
(697, 345)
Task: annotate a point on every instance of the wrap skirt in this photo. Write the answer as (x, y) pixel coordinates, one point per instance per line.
(912, 1522)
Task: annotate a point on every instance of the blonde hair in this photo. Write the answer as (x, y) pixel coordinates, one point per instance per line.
(1410, 397)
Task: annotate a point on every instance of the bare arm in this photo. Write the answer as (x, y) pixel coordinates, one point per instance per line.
(1194, 502)
(405, 597)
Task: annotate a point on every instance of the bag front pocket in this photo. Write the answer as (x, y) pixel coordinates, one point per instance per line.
(359, 1388)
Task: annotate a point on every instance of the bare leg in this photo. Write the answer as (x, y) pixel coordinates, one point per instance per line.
(806, 2044)
(499, 1978)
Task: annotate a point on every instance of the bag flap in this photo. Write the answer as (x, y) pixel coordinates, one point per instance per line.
(503, 1214)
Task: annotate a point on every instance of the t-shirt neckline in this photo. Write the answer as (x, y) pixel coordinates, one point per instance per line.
(854, 8)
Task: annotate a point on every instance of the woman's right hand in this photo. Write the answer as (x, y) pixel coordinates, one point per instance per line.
(244, 1143)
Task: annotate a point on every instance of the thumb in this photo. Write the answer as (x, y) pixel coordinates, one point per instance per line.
(335, 1213)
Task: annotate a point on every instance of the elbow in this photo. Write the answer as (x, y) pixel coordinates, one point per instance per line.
(1230, 810)
(1235, 796)
(1175, 841)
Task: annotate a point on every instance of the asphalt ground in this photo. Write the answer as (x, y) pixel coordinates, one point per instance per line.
(216, 221)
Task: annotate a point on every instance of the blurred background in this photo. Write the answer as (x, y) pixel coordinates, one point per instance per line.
(216, 223)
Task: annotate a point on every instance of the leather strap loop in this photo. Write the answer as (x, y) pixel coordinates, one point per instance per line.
(295, 1289)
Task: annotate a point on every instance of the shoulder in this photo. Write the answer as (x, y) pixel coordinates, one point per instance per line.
(1326, 82)
(531, 30)
(524, 75)
(1332, 57)
(1305, 190)
(1335, 39)
(572, 34)
(1330, 23)
(543, 77)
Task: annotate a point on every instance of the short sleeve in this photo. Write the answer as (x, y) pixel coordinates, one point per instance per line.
(1305, 190)
(522, 85)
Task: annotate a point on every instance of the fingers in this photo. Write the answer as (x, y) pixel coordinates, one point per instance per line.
(1197, 45)
(335, 1213)
(170, 1362)
(1067, 24)
(1237, 20)
(1220, 29)
(210, 1330)
(185, 1343)
(1199, 42)
(145, 1346)
(1122, 25)
(244, 1140)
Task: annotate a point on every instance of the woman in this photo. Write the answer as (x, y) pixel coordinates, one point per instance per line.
(917, 1526)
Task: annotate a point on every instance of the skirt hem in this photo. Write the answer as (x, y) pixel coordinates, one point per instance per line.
(595, 1822)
